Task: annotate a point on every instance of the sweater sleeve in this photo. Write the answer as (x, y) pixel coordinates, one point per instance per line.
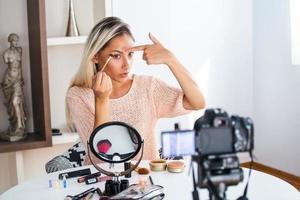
(81, 116)
(168, 100)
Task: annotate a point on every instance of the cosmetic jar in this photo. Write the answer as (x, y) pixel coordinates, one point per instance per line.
(158, 165)
(175, 166)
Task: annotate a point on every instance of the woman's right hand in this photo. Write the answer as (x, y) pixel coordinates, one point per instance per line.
(102, 86)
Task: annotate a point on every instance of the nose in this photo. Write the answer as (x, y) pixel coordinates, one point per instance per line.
(126, 62)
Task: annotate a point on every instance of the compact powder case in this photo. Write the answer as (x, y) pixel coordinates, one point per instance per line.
(158, 165)
(176, 166)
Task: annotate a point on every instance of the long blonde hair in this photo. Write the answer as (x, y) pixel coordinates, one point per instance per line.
(99, 37)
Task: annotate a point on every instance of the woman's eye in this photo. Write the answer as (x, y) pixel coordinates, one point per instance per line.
(130, 54)
(116, 56)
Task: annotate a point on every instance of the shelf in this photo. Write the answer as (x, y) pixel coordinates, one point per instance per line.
(65, 138)
(55, 41)
(41, 136)
(33, 140)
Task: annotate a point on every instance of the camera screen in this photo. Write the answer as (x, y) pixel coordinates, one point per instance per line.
(178, 143)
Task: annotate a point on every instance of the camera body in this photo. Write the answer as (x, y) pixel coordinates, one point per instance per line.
(218, 138)
(217, 133)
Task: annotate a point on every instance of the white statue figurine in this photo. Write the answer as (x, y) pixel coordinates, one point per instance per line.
(12, 88)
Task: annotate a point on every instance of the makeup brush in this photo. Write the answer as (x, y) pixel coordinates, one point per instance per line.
(141, 170)
(102, 69)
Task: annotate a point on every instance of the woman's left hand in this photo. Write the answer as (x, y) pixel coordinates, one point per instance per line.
(154, 53)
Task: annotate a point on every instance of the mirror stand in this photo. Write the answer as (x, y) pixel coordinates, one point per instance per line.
(115, 185)
(115, 142)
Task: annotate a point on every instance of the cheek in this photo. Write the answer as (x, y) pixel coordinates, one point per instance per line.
(112, 68)
(116, 64)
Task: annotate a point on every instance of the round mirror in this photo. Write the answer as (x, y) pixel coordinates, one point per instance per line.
(115, 142)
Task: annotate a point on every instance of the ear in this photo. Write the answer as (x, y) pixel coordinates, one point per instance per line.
(95, 59)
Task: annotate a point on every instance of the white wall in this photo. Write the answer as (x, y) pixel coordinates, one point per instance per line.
(7, 173)
(276, 86)
(64, 60)
(214, 39)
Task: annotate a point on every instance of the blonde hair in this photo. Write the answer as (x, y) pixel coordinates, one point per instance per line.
(100, 36)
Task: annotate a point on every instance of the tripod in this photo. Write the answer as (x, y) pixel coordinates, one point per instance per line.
(216, 174)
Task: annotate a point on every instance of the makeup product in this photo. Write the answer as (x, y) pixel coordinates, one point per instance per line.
(64, 182)
(81, 195)
(142, 180)
(84, 178)
(97, 179)
(151, 180)
(88, 196)
(108, 187)
(50, 183)
(158, 165)
(141, 170)
(56, 184)
(76, 173)
(176, 166)
(124, 185)
(126, 167)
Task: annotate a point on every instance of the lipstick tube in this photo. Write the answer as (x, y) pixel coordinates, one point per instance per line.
(84, 178)
(97, 179)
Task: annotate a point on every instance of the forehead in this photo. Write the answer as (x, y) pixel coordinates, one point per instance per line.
(121, 42)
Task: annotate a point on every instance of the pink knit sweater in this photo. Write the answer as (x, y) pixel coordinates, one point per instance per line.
(147, 100)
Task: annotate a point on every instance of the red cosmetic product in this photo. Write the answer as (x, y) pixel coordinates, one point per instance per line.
(103, 146)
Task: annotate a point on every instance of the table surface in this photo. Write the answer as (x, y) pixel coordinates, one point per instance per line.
(176, 186)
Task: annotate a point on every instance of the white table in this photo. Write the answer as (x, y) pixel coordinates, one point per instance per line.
(176, 186)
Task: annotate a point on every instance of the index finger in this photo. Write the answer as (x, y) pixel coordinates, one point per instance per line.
(138, 48)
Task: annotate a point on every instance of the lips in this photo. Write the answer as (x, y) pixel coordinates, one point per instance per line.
(124, 75)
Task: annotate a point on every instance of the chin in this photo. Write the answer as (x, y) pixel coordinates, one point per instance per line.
(121, 80)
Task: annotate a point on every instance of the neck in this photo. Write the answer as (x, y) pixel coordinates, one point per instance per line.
(117, 85)
(120, 89)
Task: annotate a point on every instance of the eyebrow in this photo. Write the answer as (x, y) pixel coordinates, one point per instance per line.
(119, 51)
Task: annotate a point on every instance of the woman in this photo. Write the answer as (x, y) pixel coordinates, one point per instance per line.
(12, 87)
(103, 90)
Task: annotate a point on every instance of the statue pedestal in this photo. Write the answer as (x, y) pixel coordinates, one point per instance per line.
(12, 137)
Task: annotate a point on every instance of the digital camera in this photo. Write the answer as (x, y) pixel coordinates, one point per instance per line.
(217, 133)
(214, 133)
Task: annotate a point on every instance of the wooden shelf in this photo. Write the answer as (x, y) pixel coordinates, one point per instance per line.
(55, 41)
(39, 82)
(33, 140)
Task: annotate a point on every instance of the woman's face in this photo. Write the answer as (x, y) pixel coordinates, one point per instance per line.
(121, 59)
